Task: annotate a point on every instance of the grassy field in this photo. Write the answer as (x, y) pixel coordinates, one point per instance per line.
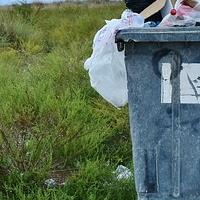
(53, 124)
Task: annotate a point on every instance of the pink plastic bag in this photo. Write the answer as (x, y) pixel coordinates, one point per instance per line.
(185, 15)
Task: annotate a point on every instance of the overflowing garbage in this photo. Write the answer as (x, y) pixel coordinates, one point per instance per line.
(106, 65)
(185, 13)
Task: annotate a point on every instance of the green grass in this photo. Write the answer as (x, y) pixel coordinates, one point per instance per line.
(52, 121)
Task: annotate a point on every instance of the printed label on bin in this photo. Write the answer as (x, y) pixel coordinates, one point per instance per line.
(189, 83)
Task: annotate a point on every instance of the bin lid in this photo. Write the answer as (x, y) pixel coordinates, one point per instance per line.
(173, 34)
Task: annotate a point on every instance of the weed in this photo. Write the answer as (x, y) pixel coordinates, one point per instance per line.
(52, 121)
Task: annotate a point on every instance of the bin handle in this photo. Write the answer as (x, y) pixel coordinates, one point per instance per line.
(176, 62)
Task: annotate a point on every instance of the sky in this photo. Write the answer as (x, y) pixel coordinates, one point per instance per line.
(9, 2)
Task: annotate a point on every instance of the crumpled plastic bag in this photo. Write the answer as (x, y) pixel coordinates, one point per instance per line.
(123, 173)
(106, 65)
(186, 15)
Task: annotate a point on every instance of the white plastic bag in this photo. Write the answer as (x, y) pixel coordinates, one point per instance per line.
(167, 8)
(185, 15)
(106, 65)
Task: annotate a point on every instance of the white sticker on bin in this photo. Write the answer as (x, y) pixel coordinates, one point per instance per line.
(189, 83)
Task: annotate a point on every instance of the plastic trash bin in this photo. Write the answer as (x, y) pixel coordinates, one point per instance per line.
(163, 69)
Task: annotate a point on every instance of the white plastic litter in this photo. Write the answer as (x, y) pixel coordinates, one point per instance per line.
(106, 65)
(185, 15)
(123, 172)
(50, 183)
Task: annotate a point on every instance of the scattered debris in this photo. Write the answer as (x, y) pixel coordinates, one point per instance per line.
(123, 172)
(50, 183)
(58, 177)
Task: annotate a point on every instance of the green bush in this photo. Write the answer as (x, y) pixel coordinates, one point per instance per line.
(51, 118)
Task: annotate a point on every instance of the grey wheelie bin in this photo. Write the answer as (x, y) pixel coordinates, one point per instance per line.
(163, 69)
